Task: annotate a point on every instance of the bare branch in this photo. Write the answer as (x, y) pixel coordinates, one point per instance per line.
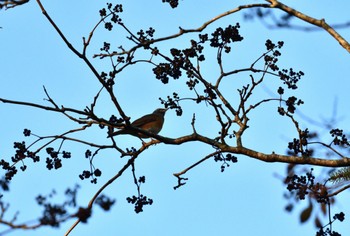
(12, 3)
(338, 191)
(319, 23)
(110, 181)
(84, 58)
(328, 146)
(185, 31)
(29, 104)
(195, 164)
(273, 157)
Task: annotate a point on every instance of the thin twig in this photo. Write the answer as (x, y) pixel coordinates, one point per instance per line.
(195, 164)
(338, 191)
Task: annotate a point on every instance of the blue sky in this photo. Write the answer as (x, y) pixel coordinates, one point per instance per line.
(244, 200)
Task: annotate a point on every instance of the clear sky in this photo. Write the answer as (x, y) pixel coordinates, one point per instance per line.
(244, 200)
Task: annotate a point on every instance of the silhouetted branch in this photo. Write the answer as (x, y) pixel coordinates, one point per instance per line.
(7, 4)
(84, 58)
(319, 23)
(179, 174)
(232, 117)
(338, 191)
(110, 181)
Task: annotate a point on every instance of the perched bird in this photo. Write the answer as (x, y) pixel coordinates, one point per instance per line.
(152, 123)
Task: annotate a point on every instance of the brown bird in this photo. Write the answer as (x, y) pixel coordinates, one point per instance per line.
(152, 123)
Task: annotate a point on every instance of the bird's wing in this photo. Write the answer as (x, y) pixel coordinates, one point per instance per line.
(144, 120)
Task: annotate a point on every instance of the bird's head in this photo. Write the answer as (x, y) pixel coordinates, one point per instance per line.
(160, 111)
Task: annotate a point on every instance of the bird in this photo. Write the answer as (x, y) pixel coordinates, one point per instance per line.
(152, 123)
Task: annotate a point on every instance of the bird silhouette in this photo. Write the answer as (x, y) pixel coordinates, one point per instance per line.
(152, 123)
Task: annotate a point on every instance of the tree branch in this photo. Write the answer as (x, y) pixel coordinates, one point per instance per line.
(273, 157)
(55, 109)
(110, 181)
(338, 191)
(319, 23)
(84, 58)
(178, 175)
(185, 31)
(12, 3)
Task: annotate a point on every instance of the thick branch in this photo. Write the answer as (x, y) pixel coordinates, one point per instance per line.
(273, 157)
